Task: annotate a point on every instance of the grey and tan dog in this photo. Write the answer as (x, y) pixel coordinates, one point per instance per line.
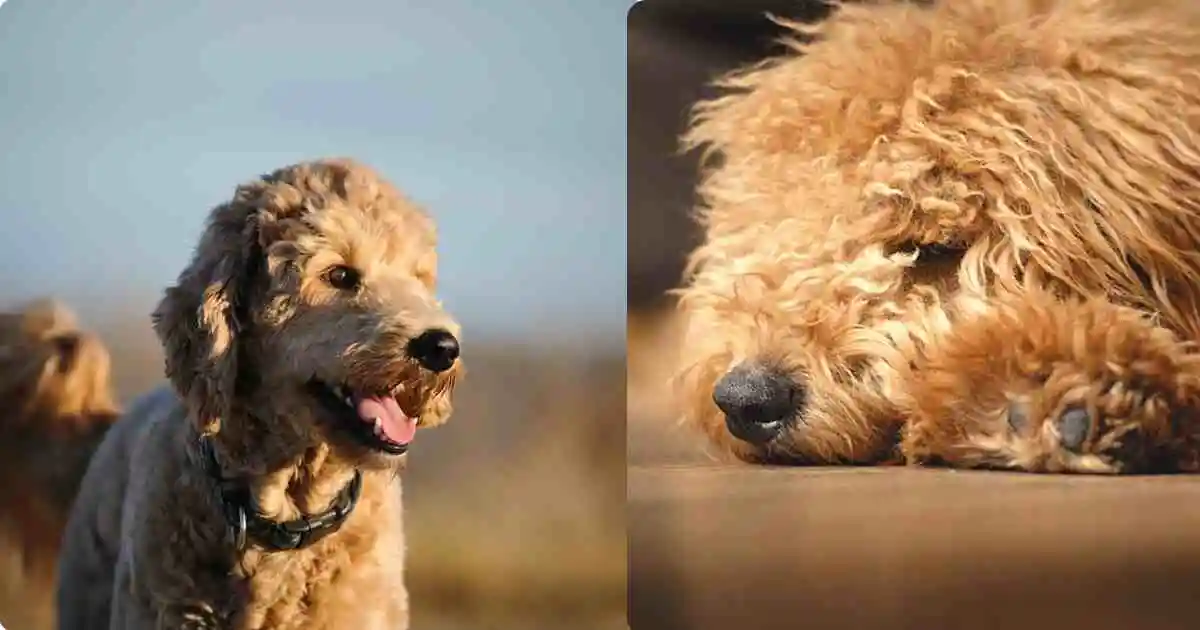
(304, 346)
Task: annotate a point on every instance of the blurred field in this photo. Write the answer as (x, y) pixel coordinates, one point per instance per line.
(515, 509)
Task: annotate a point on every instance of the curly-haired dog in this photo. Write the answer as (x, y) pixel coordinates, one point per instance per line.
(58, 403)
(304, 345)
(966, 233)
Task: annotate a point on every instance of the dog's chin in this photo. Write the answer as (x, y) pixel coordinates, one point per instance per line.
(373, 423)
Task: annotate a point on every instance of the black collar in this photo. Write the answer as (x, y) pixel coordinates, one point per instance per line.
(244, 521)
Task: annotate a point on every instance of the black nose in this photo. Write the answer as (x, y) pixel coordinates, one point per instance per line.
(435, 349)
(758, 402)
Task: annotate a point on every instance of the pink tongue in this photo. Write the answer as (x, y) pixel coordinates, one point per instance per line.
(398, 427)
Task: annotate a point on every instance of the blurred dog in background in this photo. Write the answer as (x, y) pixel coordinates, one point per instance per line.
(58, 401)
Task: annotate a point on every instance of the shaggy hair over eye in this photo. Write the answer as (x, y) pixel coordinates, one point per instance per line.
(964, 232)
(305, 347)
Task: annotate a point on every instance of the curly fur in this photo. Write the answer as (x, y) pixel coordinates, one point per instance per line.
(58, 403)
(249, 322)
(955, 224)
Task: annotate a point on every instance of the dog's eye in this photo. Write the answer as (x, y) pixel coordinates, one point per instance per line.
(343, 277)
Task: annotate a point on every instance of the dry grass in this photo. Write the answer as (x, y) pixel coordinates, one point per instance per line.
(523, 513)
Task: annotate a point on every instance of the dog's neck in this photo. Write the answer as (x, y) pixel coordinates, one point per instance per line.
(308, 486)
(282, 485)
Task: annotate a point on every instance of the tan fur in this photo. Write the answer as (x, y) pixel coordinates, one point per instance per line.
(58, 402)
(248, 323)
(1055, 142)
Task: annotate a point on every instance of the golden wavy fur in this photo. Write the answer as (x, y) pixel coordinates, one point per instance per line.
(58, 403)
(254, 323)
(966, 233)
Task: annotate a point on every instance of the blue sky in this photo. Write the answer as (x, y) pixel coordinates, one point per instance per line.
(123, 121)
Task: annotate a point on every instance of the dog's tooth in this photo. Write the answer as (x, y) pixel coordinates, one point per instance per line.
(349, 403)
(378, 427)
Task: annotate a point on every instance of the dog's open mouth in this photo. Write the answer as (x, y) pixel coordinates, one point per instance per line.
(375, 419)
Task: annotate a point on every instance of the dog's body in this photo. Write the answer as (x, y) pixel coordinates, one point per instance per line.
(58, 403)
(964, 234)
(118, 545)
(304, 345)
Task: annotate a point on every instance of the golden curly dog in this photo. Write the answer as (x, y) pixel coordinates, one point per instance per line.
(58, 403)
(964, 234)
(305, 346)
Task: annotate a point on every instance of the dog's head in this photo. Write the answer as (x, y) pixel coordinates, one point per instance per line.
(309, 307)
(905, 167)
(50, 369)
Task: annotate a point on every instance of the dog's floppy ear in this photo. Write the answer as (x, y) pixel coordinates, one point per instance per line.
(199, 318)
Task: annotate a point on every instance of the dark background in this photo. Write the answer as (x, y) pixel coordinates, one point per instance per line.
(676, 47)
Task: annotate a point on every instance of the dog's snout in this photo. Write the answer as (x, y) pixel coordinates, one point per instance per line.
(435, 350)
(758, 402)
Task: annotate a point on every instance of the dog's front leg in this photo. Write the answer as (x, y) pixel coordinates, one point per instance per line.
(1030, 382)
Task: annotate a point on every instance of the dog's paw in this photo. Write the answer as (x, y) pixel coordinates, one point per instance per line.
(1084, 387)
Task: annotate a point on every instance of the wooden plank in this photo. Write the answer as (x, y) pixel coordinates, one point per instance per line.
(743, 547)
